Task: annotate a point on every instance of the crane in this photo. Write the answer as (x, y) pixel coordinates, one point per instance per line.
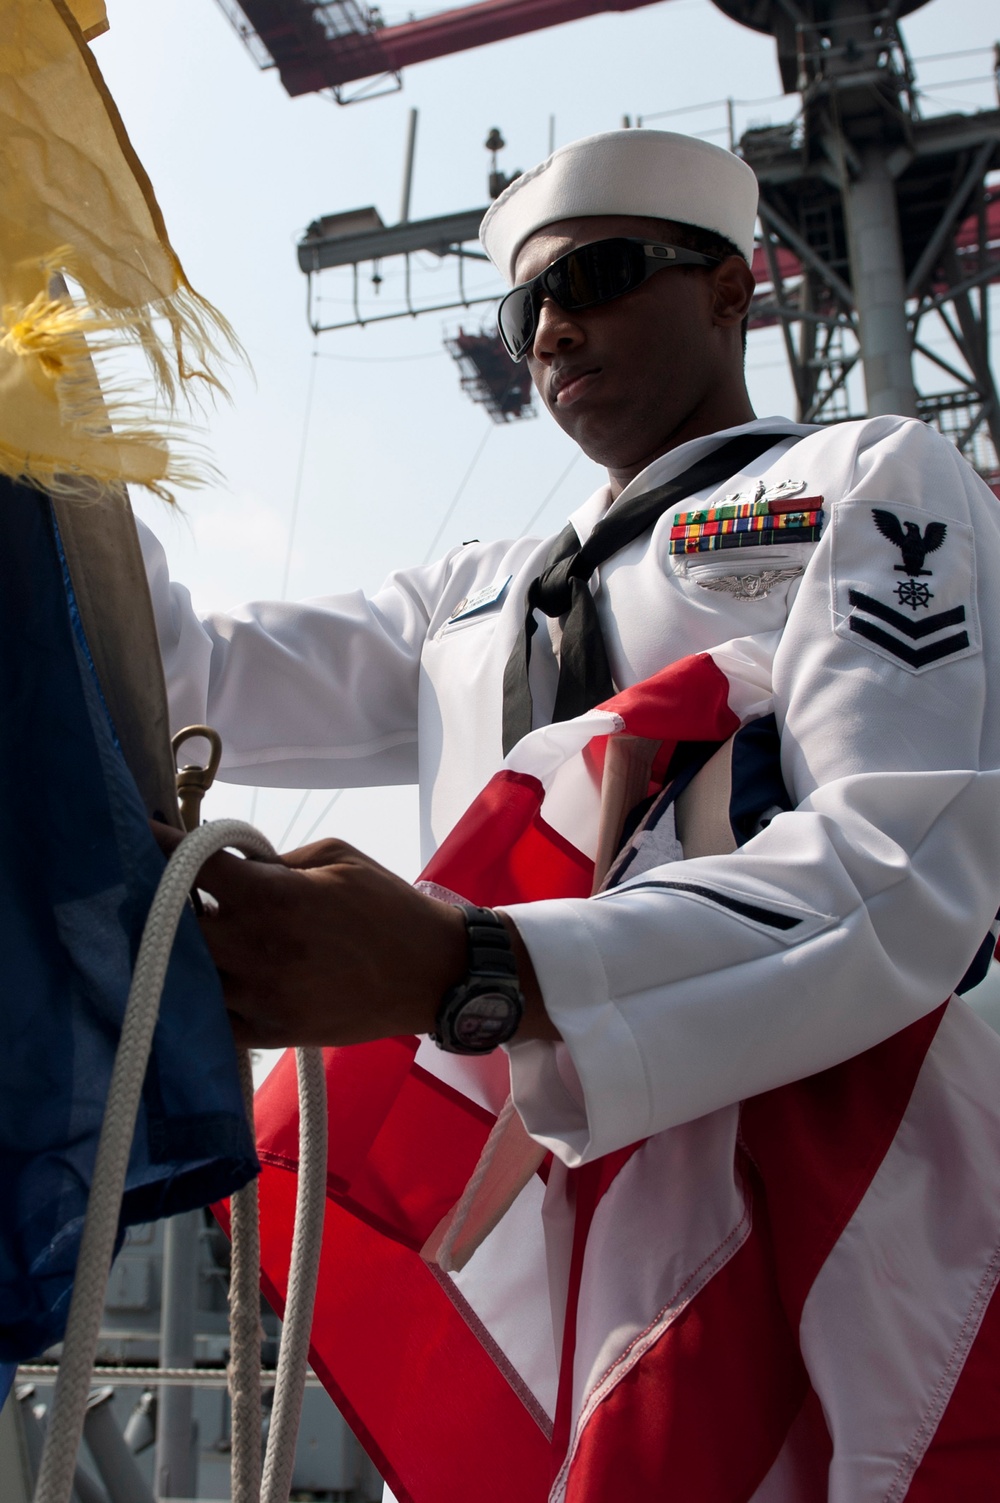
(326, 44)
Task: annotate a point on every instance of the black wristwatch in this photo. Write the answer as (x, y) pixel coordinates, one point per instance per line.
(484, 1010)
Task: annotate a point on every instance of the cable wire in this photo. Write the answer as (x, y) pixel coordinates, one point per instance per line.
(458, 494)
(380, 359)
(291, 823)
(306, 422)
(320, 818)
(529, 524)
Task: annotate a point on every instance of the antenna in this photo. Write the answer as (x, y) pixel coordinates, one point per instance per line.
(411, 145)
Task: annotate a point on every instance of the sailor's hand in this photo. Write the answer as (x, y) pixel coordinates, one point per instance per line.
(324, 946)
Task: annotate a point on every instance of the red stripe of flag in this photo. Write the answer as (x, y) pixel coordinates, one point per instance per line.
(588, 1186)
(818, 1143)
(402, 1144)
(502, 851)
(963, 1459)
(703, 1414)
(424, 1395)
(689, 701)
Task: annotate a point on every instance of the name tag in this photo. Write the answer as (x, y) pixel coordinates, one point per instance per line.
(479, 601)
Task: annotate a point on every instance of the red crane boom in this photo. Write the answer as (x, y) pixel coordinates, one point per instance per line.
(321, 44)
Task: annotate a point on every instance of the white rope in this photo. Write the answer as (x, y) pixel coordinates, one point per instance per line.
(56, 1472)
(55, 1476)
(244, 1323)
(310, 1206)
(120, 1375)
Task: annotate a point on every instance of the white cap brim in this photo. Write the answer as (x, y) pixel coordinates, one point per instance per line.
(644, 173)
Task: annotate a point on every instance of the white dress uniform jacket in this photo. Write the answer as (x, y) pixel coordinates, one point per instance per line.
(881, 645)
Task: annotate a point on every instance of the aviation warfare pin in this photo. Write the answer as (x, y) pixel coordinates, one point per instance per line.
(750, 586)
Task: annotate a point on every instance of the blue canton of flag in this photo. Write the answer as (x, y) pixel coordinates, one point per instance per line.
(78, 867)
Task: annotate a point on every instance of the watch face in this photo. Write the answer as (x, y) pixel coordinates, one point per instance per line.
(484, 1021)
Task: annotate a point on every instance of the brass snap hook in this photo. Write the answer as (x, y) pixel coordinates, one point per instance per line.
(193, 781)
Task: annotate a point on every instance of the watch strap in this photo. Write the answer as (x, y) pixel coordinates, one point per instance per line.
(485, 1009)
(490, 952)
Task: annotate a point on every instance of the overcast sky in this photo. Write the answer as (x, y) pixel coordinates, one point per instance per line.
(240, 169)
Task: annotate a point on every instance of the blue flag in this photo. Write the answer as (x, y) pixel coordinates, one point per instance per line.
(78, 868)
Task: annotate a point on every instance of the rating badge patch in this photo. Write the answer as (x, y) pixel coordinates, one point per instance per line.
(904, 584)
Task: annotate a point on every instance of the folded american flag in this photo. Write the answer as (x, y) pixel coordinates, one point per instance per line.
(789, 1299)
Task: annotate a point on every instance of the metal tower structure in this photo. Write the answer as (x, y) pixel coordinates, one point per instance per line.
(490, 377)
(890, 216)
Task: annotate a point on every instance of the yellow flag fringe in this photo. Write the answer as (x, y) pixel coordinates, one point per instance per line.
(78, 204)
(105, 431)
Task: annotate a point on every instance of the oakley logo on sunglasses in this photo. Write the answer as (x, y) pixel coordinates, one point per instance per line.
(585, 278)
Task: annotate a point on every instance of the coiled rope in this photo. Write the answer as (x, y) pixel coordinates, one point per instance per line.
(56, 1472)
(244, 1324)
(307, 1241)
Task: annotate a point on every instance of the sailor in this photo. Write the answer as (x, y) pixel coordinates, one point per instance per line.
(849, 572)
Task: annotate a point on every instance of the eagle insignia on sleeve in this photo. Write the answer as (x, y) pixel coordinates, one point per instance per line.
(906, 623)
(911, 542)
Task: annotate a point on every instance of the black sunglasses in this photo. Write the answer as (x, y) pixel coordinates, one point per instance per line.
(584, 278)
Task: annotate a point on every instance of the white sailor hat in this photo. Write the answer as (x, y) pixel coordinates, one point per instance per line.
(654, 174)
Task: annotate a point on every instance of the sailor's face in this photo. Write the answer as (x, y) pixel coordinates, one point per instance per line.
(627, 379)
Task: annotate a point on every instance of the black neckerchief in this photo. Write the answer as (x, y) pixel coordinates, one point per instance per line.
(562, 588)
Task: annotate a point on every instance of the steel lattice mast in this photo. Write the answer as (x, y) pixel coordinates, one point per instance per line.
(889, 216)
